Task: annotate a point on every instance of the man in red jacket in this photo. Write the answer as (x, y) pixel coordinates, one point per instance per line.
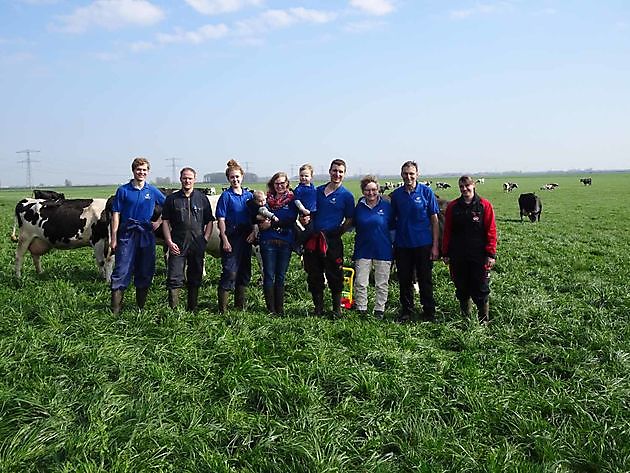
(469, 246)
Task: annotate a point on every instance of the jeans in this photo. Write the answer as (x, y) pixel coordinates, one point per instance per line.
(362, 269)
(276, 255)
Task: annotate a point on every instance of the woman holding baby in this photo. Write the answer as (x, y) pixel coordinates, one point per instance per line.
(276, 239)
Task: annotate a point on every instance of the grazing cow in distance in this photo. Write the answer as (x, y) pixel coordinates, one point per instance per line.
(481, 180)
(509, 186)
(63, 224)
(549, 187)
(530, 204)
(587, 181)
(48, 195)
(443, 185)
(426, 183)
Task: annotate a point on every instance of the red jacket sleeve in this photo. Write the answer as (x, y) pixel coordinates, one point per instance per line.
(491, 229)
(448, 226)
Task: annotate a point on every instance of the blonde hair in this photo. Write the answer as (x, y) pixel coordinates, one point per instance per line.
(139, 162)
(366, 180)
(307, 167)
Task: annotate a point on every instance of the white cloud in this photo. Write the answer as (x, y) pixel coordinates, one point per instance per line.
(479, 9)
(16, 58)
(39, 2)
(141, 46)
(110, 14)
(364, 26)
(198, 36)
(215, 7)
(106, 57)
(374, 7)
(276, 19)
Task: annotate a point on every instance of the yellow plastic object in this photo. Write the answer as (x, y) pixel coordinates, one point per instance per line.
(347, 300)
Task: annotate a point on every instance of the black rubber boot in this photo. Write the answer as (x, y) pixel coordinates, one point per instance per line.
(279, 299)
(465, 308)
(428, 314)
(222, 300)
(336, 304)
(269, 300)
(484, 313)
(117, 299)
(318, 302)
(239, 297)
(173, 298)
(141, 296)
(193, 296)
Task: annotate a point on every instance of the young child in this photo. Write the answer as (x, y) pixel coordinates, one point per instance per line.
(258, 210)
(305, 192)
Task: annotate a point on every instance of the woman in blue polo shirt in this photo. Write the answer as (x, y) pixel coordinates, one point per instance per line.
(235, 232)
(373, 222)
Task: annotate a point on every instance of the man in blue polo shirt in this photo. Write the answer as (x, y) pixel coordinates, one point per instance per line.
(416, 246)
(323, 252)
(132, 237)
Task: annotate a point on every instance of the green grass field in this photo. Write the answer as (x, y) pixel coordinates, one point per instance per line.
(544, 388)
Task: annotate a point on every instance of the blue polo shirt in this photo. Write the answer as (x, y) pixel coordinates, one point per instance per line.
(136, 203)
(307, 195)
(412, 212)
(372, 239)
(232, 207)
(333, 208)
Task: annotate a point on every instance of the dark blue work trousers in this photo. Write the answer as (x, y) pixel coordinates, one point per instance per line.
(236, 265)
(135, 256)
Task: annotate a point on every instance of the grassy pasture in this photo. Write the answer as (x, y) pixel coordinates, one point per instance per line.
(544, 388)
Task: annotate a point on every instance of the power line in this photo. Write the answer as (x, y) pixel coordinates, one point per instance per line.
(28, 162)
(173, 169)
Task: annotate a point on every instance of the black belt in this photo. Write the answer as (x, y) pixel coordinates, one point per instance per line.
(276, 241)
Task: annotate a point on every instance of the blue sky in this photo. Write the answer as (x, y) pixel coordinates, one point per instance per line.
(458, 86)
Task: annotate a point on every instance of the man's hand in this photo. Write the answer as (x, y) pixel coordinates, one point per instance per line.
(173, 248)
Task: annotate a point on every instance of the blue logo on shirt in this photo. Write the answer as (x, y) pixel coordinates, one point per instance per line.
(147, 196)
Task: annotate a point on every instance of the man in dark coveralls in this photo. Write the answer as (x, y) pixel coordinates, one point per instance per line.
(187, 223)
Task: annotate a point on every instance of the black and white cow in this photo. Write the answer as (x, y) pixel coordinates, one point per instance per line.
(443, 185)
(48, 195)
(509, 186)
(530, 205)
(587, 181)
(549, 187)
(62, 224)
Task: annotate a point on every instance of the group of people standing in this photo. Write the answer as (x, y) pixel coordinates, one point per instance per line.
(402, 228)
